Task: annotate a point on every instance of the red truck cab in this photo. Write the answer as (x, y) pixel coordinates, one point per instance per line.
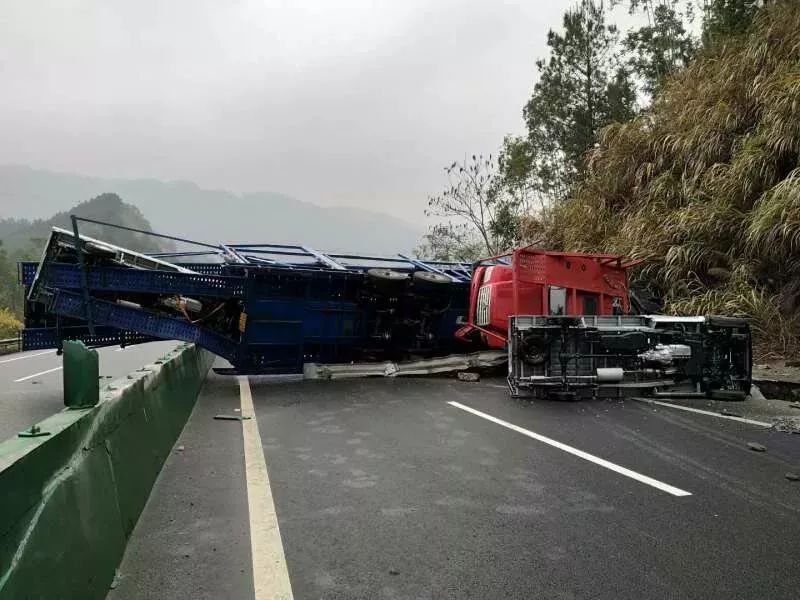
(528, 281)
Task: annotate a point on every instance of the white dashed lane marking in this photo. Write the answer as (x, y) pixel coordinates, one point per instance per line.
(16, 358)
(704, 412)
(659, 485)
(37, 374)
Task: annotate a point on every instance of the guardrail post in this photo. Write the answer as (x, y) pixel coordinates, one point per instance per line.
(81, 375)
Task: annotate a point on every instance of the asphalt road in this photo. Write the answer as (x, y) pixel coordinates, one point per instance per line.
(31, 382)
(384, 489)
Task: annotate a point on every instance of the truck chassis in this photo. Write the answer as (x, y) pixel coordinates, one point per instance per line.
(568, 357)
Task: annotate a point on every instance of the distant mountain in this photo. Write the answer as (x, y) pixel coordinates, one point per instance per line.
(184, 209)
(8, 226)
(27, 237)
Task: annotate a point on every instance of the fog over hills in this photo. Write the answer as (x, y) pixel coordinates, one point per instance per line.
(28, 237)
(184, 209)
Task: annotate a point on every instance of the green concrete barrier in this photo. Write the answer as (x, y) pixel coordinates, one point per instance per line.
(81, 375)
(69, 500)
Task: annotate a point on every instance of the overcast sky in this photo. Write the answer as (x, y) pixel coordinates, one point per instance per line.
(335, 102)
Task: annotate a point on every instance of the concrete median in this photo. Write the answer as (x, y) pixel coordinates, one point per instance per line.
(70, 496)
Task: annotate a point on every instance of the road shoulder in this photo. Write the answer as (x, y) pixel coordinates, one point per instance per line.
(192, 539)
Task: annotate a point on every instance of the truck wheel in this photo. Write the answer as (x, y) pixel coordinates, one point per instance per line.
(387, 275)
(431, 277)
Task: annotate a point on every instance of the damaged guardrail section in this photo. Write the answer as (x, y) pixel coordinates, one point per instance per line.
(72, 495)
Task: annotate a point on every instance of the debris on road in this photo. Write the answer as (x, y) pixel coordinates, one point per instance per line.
(787, 425)
(486, 359)
(34, 431)
(231, 417)
(180, 448)
(729, 413)
(466, 376)
(115, 581)
(756, 447)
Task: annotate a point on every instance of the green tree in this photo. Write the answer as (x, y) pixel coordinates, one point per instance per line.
(723, 18)
(451, 241)
(483, 218)
(581, 89)
(664, 45)
(10, 291)
(515, 162)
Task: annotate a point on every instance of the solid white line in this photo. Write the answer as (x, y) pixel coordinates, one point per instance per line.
(705, 412)
(8, 360)
(579, 453)
(270, 574)
(37, 374)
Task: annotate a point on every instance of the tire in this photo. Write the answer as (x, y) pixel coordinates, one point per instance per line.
(563, 396)
(387, 275)
(728, 395)
(431, 277)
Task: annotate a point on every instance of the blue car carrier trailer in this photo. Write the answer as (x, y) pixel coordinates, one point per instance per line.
(266, 308)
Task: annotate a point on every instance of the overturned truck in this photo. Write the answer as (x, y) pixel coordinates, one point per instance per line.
(266, 308)
(566, 357)
(567, 321)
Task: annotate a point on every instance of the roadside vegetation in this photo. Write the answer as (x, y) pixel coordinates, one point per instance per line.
(9, 324)
(11, 299)
(682, 149)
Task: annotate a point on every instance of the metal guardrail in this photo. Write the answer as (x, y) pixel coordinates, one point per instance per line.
(9, 345)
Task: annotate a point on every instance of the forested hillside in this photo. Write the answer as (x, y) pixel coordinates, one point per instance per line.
(24, 240)
(661, 144)
(19, 235)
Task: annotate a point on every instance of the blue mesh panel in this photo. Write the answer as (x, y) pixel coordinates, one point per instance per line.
(65, 276)
(146, 323)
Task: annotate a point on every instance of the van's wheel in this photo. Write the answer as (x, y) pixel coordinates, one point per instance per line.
(729, 395)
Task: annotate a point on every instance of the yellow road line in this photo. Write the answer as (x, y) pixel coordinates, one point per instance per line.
(270, 574)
